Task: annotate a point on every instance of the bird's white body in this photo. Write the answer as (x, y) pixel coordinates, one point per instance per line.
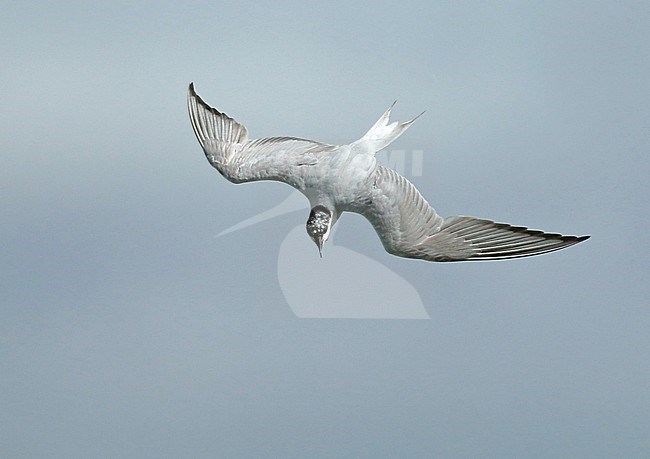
(346, 189)
(348, 178)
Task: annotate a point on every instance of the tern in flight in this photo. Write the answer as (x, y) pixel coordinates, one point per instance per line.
(348, 178)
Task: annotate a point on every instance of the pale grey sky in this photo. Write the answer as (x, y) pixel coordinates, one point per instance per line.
(128, 330)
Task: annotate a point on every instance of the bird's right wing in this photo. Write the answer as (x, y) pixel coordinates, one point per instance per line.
(227, 147)
(409, 227)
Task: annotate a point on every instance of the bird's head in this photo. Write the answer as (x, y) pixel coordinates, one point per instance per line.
(319, 225)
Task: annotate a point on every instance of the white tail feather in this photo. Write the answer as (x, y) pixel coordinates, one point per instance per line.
(382, 134)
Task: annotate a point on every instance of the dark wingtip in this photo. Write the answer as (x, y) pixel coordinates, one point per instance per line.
(575, 239)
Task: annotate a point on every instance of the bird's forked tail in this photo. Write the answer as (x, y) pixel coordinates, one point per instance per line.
(382, 134)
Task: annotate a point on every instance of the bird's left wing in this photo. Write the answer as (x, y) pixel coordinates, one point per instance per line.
(227, 147)
(409, 227)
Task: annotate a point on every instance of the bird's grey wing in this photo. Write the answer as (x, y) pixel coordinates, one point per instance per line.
(227, 147)
(409, 227)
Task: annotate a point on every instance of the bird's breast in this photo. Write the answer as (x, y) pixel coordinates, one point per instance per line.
(343, 180)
